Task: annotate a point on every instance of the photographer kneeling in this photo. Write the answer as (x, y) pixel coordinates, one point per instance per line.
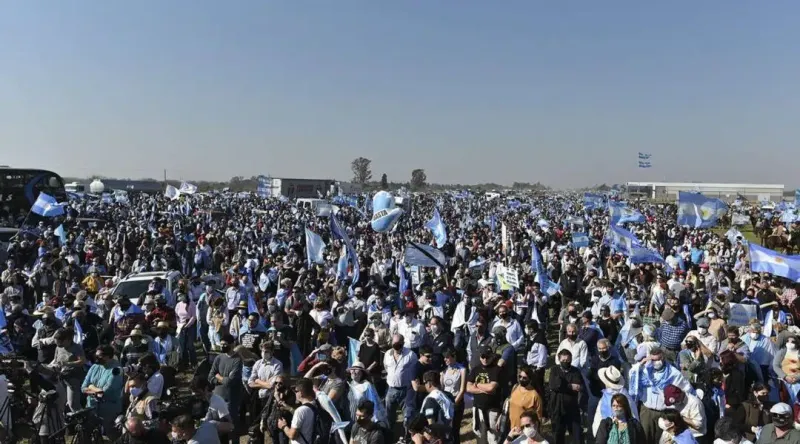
(218, 413)
(184, 431)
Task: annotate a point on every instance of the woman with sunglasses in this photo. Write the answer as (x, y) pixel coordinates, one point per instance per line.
(523, 397)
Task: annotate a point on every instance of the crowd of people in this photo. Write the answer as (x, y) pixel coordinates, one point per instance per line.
(520, 333)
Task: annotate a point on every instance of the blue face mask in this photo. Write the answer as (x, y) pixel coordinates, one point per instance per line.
(136, 391)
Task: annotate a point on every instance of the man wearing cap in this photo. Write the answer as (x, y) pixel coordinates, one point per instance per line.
(671, 333)
(483, 384)
(646, 381)
(782, 428)
(689, 406)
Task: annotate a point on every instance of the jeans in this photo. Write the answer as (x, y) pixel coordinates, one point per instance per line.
(186, 345)
(397, 397)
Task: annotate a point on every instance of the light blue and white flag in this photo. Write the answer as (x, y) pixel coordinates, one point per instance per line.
(593, 201)
(62, 235)
(629, 215)
(315, 248)
(580, 240)
(547, 286)
(187, 188)
(337, 231)
(615, 211)
(404, 282)
(353, 345)
(171, 192)
(696, 210)
(78, 337)
(764, 260)
(644, 164)
(621, 240)
(644, 156)
(437, 228)
(732, 234)
(47, 206)
(643, 255)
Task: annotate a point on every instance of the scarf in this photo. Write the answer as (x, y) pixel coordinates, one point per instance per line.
(448, 410)
(649, 378)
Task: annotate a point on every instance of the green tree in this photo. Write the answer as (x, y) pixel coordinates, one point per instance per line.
(418, 179)
(361, 170)
(384, 182)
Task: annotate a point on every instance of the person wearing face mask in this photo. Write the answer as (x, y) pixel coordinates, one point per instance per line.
(370, 354)
(707, 343)
(439, 338)
(781, 430)
(361, 389)
(139, 433)
(514, 332)
(186, 316)
(380, 333)
(239, 320)
(103, 387)
(647, 381)
(674, 429)
(43, 340)
(226, 375)
(399, 363)
(264, 372)
(185, 431)
(620, 426)
(756, 411)
(566, 384)
(203, 307)
(579, 352)
(529, 430)
(412, 330)
(142, 405)
(523, 397)
(670, 334)
(785, 364)
(484, 384)
(762, 349)
(365, 430)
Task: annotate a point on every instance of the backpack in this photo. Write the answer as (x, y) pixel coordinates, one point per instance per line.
(321, 430)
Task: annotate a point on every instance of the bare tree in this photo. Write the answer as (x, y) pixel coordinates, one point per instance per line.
(361, 170)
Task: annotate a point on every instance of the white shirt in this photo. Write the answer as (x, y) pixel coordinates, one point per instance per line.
(413, 333)
(695, 415)
(265, 371)
(579, 351)
(399, 371)
(303, 422)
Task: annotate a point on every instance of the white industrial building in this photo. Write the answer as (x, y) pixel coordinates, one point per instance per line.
(724, 191)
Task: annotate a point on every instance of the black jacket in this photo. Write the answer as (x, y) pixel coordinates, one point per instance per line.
(635, 431)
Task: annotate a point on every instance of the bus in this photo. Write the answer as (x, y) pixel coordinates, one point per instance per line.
(19, 188)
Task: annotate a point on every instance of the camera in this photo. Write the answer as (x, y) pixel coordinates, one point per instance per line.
(191, 405)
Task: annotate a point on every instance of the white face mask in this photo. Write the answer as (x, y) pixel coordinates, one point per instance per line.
(702, 330)
(712, 315)
(658, 365)
(791, 346)
(529, 431)
(754, 335)
(664, 424)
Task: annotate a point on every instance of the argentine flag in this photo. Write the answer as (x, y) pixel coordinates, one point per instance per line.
(314, 248)
(696, 210)
(764, 260)
(47, 206)
(437, 228)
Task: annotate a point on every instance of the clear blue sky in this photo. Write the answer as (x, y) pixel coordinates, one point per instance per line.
(562, 92)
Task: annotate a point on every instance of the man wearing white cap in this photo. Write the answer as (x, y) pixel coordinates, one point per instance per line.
(782, 428)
